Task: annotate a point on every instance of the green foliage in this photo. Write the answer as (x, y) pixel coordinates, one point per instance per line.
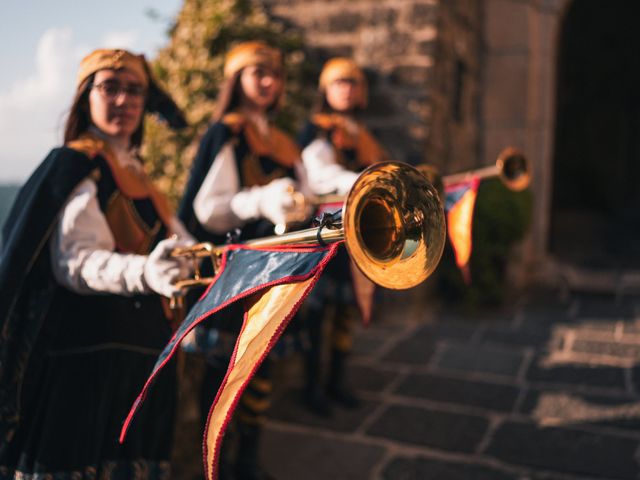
(190, 68)
(501, 219)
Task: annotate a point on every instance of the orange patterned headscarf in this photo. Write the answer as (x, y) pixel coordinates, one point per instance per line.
(342, 68)
(252, 53)
(113, 59)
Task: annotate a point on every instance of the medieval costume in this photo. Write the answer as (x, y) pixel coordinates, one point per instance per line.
(242, 179)
(336, 148)
(82, 324)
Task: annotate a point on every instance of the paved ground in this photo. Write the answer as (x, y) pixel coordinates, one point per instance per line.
(547, 390)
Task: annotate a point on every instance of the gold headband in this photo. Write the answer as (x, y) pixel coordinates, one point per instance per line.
(251, 53)
(342, 68)
(113, 59)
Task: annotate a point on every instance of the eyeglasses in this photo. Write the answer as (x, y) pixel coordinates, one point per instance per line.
(112, 90)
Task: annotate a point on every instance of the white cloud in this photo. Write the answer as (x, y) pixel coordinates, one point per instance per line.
(33, 110)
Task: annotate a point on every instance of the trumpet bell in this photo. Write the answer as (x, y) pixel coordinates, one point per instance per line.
(514, 169)
(394, 225)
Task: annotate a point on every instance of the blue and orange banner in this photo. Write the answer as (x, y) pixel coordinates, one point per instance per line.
(271, 283)
(460, 199)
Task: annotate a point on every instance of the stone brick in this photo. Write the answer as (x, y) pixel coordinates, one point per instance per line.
(577, 374)
(432, 428)
(423, 14)
(565, 450)
(383, 16)
(328, 52)
(487, 395)
(428, 47)
(631, 327)
(421, 468)
(397, 44)
(635, 377)
(344, 22)
(299, 455)
(410, 75)
(485, 359)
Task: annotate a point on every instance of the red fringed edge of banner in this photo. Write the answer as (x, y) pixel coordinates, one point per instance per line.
(216, 461)
(296, 278)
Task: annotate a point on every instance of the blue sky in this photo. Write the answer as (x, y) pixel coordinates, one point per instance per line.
(42, 44)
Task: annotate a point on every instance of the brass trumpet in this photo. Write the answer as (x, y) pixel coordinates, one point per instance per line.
(511, 167)
(392, 223)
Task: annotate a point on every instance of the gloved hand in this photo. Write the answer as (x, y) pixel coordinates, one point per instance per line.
(280, 203)
(161, 271)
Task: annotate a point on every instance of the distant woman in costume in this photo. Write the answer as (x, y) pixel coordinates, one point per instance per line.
(83, 273)
(336, 148)
(243, 177)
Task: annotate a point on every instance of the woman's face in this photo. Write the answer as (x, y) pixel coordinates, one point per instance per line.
(261, 86)
(343, 94)
(116, 102)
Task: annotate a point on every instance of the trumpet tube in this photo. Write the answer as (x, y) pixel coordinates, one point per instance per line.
(511, 167)
(392, 223)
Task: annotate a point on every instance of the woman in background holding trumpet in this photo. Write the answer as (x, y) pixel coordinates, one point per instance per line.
(336, 148)
(244, 176)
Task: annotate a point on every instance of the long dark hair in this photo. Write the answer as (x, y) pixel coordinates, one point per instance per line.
(79, 119)
(230, 95)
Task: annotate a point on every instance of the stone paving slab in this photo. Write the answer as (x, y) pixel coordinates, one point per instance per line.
(490, 396)
(529, 335)
(565, 450)
(300, 455)
(607, 348)
(563, 407)
(546, 316)
(371, 379)
(414, 351)
(289, 408)
(597, 306)
(432, 428)
(576, 374)
(480, 358)
(420, 468)
(526, 394)
(448, 327)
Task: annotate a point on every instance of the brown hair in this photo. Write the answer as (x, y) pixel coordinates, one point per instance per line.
(79, 119)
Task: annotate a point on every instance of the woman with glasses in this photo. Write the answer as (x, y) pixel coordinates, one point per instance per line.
(243, 177)
(85, 276)
(336, 147)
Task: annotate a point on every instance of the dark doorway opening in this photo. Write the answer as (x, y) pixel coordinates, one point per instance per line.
(595, 218)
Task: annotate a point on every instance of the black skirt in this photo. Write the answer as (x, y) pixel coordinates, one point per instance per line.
(91, 363)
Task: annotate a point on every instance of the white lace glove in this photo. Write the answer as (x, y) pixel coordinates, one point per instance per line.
(280, 203)
(161, 271)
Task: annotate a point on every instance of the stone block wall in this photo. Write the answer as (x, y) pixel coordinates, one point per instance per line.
(396, 41)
